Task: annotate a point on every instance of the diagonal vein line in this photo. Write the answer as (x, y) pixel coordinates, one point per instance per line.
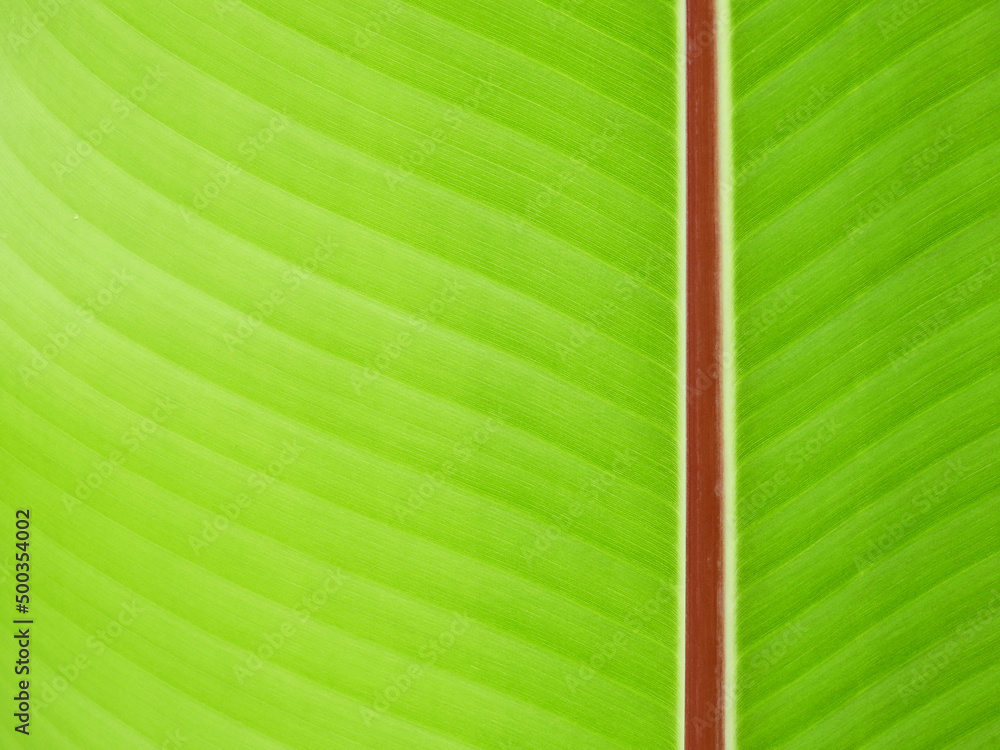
(843, 583)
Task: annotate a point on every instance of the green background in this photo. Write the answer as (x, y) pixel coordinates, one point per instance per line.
(340, 364)
(867, 300)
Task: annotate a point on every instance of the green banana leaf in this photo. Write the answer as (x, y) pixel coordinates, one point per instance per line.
(864, 185)
(341, 397)
(340, 373)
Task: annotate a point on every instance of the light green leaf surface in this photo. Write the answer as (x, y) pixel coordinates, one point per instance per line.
(866, 146)
(340, 362)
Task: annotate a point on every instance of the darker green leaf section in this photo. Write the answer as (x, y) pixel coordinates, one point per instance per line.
(867, 300)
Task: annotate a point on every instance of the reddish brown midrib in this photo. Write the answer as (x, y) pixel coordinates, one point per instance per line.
(705, 632)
